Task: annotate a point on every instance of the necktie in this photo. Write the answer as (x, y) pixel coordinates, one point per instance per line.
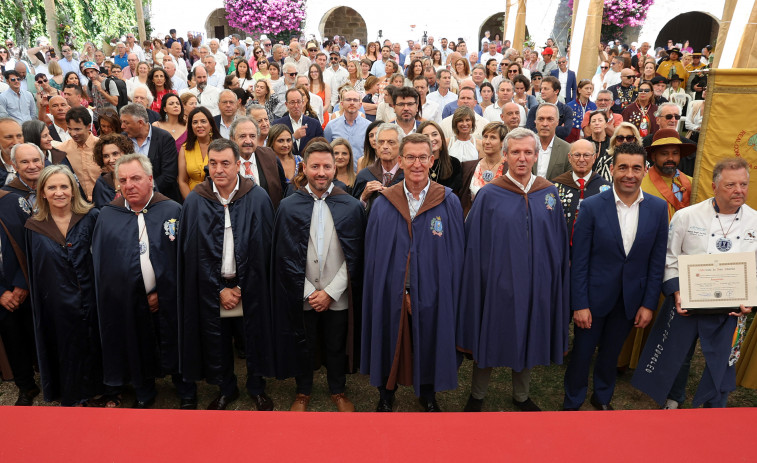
(581, 186)
(248, 169)
(387, 178)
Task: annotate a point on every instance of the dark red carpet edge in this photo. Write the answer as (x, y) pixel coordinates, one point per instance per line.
(42, 434)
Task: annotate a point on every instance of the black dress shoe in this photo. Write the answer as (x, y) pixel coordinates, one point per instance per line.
(429, 404)
(527, 405)
(262, 402)
(598, 405)
(188, 404)
(473, 405)
(146, 404)
(385, 405)
(223, 401)
(26, 398)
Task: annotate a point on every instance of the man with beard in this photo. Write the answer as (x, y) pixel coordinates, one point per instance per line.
(207, 95)
(663, 179)
(224, 259)
(668, 115)
(317, 270)
(258, 162)
(406, 108)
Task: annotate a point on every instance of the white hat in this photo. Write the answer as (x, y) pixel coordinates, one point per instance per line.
(248, 40)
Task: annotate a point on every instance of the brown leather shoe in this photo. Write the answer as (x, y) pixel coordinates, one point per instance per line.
(342, 403)
(300, 403)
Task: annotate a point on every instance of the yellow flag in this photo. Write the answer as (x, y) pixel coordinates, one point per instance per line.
(729, 128)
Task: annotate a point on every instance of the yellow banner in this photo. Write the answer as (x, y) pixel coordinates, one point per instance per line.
(729, 128)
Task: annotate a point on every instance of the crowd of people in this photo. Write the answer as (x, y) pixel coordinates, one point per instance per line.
(366, 207)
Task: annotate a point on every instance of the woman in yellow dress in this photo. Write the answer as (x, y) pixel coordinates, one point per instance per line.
(193, 157)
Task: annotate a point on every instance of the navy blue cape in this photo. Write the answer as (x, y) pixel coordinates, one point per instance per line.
(137, 345)
(200, 283)
(291, 234)
(514, 309)
(430, 247)
(62, 291)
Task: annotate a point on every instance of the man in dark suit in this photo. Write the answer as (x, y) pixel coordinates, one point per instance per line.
(571, 84)
(618, 259)
(550, 90)
(303, 128)
(258, 162)
(58, 109)
(157, 144)
(553, 151)
(386, 171)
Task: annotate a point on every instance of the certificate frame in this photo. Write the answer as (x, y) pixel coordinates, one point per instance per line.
(717, 283)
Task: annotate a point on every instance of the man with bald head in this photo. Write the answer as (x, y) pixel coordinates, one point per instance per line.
(579, 183)
(177, 82)
(58, 107)
(623, 93)
(181, 65)
(511, 115)
(215, 78)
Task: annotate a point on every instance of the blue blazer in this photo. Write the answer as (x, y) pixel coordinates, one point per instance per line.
(600, 269)
(314, 130)
(571, 89)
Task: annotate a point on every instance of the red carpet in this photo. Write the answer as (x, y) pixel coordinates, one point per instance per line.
(47, 434)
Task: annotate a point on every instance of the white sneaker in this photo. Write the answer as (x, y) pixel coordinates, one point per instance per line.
(670, 405)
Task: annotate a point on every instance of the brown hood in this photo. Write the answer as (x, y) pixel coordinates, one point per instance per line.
(504, 182)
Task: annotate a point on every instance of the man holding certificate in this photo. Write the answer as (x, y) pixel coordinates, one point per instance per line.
(723, 224)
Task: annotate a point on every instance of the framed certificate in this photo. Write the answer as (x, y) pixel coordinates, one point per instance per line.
(717, 283)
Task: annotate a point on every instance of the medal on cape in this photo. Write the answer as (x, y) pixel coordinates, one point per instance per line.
(644, 127)
(488, 176)
(142, 248)
(433, 175)
(723, 244)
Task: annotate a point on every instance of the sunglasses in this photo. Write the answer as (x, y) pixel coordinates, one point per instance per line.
(645, 90)
(604, 67)
(291, 74)
(14, 79)
(312, 49)
(671, 116)
(625, 139)
(41, 81)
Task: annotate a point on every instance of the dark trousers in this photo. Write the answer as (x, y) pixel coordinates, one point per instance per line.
(609, 333)
(229, 379)
(426, 390)
(184, 389)
(17, 331)
(326, 332)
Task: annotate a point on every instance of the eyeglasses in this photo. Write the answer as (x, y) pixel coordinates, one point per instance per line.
(644, 90)
(671, 116)
(625, 139)
(351, 100)
(582, 155)
(512, 71)
(294, 102)
(406, 105)
(412, 159)
(627, 77)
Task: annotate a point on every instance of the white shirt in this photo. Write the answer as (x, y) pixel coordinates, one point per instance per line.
(181, 66)
(628, 219)
(335, 79)
(563, 78)
(486, 57)
(295, 126)
(224, 129)
(228, 261)
(415, 204)
(148, 272)
(611, 78)
(526, 188)
(432, 111)
(442, 101)
(208, 98)
(63, 134)
(253, 163)
(542, 162)
(586, 178)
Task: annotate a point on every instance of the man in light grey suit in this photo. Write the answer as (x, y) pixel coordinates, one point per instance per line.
(318, 248)
(553, 151)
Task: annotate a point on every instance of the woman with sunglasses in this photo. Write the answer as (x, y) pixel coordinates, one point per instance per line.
(598, 137)
(258, 56)
(354, 53)
(641, 112)
(599, 78)
(262, 72)
(625, 132)
(536, 78)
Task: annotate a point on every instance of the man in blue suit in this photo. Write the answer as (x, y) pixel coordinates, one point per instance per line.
(618, 259)
(303, 128)
(567, 80)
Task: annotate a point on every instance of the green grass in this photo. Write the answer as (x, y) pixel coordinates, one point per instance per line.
(546, 391)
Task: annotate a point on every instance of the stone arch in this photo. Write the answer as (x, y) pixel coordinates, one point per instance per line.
(495, 24)
(343, 20)
(217, 26)
(697, 27)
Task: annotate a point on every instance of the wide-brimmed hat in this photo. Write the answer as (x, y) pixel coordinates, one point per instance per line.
(675, 50)
(669, 137)
(675, 77)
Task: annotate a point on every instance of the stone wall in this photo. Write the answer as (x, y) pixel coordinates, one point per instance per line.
(345, 21)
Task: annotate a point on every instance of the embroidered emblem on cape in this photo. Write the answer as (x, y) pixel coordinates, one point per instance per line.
(550, 201)
(24, 205)
(436, 226)
(171, 227)
(604, 188)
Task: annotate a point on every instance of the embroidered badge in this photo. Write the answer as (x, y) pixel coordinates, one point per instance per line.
(723, 244)
(750, 235)
(436, 226)
(604, 188)
(142, 247)
(24, 205)
(171, 227)
(550, 201)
